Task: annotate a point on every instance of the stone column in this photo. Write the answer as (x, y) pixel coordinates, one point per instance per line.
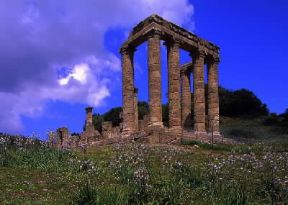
(199, 93)
(154, 69)
(128, 90)
(213, 96)
(186, 98)
(136, 109)
(89, 117)
(174, 85)
(63, 137)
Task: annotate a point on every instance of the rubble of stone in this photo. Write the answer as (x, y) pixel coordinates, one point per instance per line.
(193, 114)
(90, 136)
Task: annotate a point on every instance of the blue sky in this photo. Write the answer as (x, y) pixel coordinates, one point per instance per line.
(57, 57)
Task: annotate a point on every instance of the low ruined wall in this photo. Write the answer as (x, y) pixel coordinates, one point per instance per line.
(108, 131)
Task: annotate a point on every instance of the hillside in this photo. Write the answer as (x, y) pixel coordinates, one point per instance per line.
(254, 172)
(191, 173)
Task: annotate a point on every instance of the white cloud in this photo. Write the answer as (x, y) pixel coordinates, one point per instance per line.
(38, 37)
(79, 73)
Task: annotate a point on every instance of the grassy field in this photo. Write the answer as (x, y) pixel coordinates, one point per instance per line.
(254, 130)
(191, 173)
(141, 174)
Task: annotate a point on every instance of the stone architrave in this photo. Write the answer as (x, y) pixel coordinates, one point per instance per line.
(128, 90)
(174, 85)
(213, 96)
(154, 70)
(199, 92)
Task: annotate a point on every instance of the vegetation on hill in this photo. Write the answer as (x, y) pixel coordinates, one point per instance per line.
(242, 115)
(241, 103)
(192, 173)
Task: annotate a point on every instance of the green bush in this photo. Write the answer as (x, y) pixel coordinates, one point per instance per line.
(86, 194)
(241, 133)
(241, 103)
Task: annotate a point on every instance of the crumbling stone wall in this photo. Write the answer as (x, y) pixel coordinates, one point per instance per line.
(59, 139)
(108, 131)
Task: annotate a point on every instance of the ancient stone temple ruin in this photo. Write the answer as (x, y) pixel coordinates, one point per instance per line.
(193, 113)
(185, 120)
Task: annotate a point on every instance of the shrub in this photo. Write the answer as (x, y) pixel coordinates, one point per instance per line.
(86, 194)
(241, 103)
(241, 133)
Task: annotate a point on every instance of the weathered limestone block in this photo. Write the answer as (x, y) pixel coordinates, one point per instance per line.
(154, 70)
(213, 97)
(74, 141)
(116, 132)
(143, 124)
(174, 85)
(63, 137)
(107, 129)
(199, 92)
(154, 134)
(128, 90)
(52, 139)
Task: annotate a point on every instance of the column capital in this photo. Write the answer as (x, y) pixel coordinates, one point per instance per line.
(185, 71)
(89, 109)
(155, 33)
(198, 53)
(172, 41)
(216, 59)
(126, 49)
(213, 59)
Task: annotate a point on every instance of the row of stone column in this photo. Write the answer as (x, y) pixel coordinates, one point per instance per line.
(199, 104)
(175, 99)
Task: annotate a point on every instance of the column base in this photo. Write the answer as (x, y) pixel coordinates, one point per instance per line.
(126, 132)
(215, 133)
(177, 130)
(155, 124)
(201, 134)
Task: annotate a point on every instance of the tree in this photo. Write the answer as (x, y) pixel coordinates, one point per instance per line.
(241, 103)
(113, 116)
(97, 122)
(143, 109)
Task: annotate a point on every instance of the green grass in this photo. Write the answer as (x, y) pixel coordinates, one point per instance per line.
(253, 130)
(137, 174)
(217, 174)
